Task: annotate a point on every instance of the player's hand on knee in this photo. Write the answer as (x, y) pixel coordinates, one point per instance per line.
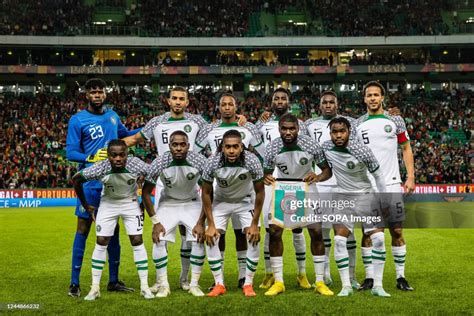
(199, 232)
(211, 235)
(269, 179)
(311, 178)
(91, 210)
(253, 234)
(101, 154)
(158, 232)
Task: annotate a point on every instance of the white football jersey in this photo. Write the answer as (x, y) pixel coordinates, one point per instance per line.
(293, 162)
(382, 134)
(234, 180)
(119, 185)
(318, 130)
(350, 165)
(269, 129)
(212, 135)
(161, 127)
(179, 177)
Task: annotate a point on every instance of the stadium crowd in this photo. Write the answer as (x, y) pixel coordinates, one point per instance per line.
(33, 150)
(216, 18)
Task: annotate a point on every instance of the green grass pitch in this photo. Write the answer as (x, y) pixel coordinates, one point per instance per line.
(35, 259)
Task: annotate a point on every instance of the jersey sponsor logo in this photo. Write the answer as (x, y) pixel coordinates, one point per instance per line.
(190, 176)
(188, 128)
(113, 120)
(165, 130)
(303, 161)
(242, 176)
(350, 165)
(387, 128)
(98, 228)
(92, 125)
(131, 181)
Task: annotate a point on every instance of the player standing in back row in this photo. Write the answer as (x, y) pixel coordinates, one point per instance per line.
(268, 127)
(382, 133)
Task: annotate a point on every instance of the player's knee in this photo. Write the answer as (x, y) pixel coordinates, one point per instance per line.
(297, 230)
(102, 240)
(396, 233)
(83, 226)
(275, 232)
(366, 241)
(316, 235)
(136, 240)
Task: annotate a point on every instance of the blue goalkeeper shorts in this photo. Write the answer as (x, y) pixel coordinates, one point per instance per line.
(92, 197)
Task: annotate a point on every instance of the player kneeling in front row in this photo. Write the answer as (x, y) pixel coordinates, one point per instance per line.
(350, 160)
(119, 176)
(236, 171)
(179, 169)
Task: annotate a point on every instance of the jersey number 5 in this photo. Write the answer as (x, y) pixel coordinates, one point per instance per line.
(365, 138)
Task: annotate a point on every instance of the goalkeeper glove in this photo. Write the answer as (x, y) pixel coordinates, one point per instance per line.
(101, 154)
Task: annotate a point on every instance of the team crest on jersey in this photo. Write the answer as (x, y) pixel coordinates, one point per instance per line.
(303, 161)
(113, 120)
(131, 181)
(98, 228)
(242, 176)
(190, 176)
(350, 165)
(243, 135)
(387, 128)
(188, 128)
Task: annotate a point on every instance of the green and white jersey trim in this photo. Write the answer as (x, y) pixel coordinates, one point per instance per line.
(119, 184)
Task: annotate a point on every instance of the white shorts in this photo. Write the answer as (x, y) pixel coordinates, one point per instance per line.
(240, 212)
(397, 207)
(325, 192)
(364, 210)
(174, 213)
(108, 215)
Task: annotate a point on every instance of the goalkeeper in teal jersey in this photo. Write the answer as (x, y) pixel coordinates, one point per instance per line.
(89, 132)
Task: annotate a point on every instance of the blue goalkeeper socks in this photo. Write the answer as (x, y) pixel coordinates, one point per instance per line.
(77, 256)
(114, 257)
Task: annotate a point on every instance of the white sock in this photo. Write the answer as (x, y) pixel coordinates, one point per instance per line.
(277, 268)
(253, 254)
(185, 256)
(98, 261)
(160, 258)
(399, 255)
(327, 251)
(241, 261)
(197, 261)
(352, 251)
(319, 267)
(341, 256)
(141, 261)
(378, 256)
(266, 253)
(300, 251)
(367, 260)
(215, 262)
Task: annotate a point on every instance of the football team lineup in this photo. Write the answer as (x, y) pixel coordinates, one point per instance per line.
(236, 174)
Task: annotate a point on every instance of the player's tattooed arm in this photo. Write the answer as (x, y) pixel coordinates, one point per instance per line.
(211, 231)
(78, 180)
